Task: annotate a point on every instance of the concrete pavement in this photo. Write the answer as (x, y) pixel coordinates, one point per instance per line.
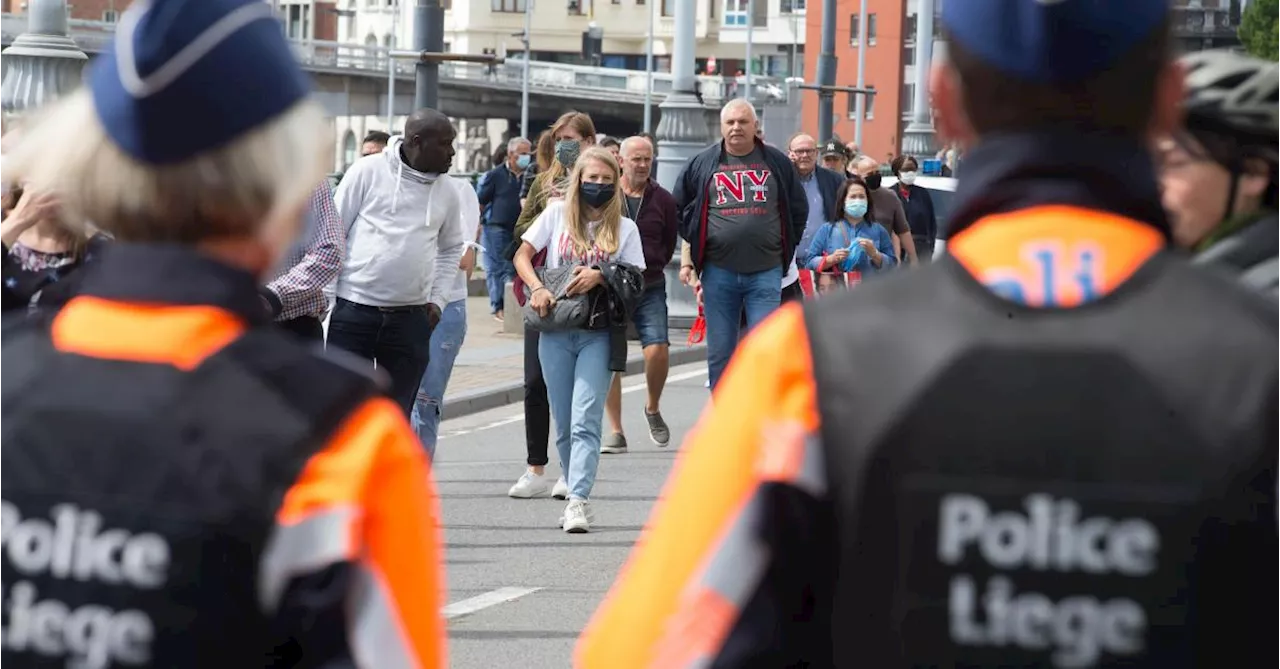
(520, 589)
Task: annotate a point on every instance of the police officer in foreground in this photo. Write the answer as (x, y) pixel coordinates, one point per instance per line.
(1094, 484)
(184, 485)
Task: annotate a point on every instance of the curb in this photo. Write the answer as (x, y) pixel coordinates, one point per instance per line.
(501, 395)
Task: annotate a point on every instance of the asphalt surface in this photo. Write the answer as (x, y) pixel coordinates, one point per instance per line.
(520, 589)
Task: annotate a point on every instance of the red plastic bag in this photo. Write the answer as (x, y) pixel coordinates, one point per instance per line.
(698, 332)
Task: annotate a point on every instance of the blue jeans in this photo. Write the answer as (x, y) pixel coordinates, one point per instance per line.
(650, 316)
(497, 269)
(726, 296)
(575, 365)
(446, 341)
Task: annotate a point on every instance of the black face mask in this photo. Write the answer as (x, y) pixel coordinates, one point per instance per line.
(873, 181)
(595, 195)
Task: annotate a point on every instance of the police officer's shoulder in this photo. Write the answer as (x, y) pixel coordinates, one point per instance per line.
(1213, 293)
(23, 339)
(315, 382)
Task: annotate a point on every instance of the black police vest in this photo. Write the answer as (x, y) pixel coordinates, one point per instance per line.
(1050, 488)
(137, 498)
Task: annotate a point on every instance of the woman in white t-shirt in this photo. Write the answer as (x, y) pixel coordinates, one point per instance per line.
(587, 228)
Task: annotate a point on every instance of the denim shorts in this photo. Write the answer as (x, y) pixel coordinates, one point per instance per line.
(650, 317)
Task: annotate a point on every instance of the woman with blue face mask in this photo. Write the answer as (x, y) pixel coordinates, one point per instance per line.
(855, 242)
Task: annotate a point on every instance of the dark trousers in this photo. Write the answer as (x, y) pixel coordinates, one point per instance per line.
(307, 328)
(537, 411)
(396, 339)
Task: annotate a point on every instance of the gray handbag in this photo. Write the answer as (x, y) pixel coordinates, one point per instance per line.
(568, 312)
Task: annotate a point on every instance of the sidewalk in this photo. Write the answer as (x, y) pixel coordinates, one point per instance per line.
(489, 371)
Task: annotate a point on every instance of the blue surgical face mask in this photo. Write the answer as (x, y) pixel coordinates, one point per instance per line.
(523, 161)
(855, 208)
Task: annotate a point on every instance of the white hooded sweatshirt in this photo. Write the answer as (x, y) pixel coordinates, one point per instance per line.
(404, 233)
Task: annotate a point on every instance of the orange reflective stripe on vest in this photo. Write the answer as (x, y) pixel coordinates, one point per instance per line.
(182, 336)
(367, 498)
(668, 608)
(1054, 256)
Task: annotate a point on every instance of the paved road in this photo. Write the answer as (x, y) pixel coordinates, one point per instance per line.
(501, 549)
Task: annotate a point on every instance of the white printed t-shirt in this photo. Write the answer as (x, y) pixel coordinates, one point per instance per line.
(549, 232)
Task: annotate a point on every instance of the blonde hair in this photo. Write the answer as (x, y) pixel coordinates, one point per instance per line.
(580, 123)
(608, 234)
(264, 175)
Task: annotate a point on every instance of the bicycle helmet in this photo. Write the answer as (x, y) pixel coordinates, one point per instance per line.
(1234, 95)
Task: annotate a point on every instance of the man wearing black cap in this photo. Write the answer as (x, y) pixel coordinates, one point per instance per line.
(1053, 473)
(835, 157)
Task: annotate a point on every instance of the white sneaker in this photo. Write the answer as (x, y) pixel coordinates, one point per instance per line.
(561, 489)
(576, 518)
(530, 485)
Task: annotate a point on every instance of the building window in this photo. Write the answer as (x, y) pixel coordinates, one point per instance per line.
(388, 40)
(735, 13)
(908, 54)
(909, 99)
(109, 16)
(507, 5)
(871, 29)
(348, 150)
(792, 7)
(639, 2)
(577, 7)
(871, 99)
(669, 7)
(869, 105)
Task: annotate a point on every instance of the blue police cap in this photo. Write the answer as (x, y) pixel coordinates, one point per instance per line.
(186, 76)
(1055, 41)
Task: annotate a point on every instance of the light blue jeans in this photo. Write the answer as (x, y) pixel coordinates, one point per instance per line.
(575, 365)
(446, 341)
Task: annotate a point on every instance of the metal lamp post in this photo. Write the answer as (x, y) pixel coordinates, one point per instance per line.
(918, 137)
(682, 127)
(648, 78)
(524, 79)
(683, 130)
(43, 63)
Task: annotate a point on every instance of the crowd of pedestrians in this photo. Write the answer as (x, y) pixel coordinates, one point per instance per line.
(182, 279)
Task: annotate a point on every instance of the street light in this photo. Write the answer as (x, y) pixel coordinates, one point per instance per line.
(860, 105)
(524, 80)
(648, 79)
(43, 63)
(918, 137)
(391, 67)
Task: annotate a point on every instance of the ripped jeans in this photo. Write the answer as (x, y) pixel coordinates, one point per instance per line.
(446, 341)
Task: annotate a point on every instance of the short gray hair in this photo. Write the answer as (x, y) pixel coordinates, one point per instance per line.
(515, 142)
(739, 102)
(633, 140)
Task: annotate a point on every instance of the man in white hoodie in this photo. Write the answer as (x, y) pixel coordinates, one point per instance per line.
(404, 242)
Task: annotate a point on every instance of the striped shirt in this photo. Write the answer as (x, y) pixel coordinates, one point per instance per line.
(313, 264)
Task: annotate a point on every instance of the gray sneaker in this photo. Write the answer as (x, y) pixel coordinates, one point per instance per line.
(658, 430)
(615, 442)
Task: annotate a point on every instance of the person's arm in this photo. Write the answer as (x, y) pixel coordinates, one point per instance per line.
(632, 251)
(815, 255)
(300, 290)
(931, 223)
(797, 205)
(449, 246)
(687, 274)
(736, 563)
(470, 212)
(353, 569)
(884, 245)
(350, 194)
(670, 228)
(488, 183)
(903, 232)
(533, 207)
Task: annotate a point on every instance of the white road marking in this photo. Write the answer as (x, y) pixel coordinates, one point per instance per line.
(520, 416)
(492, 598)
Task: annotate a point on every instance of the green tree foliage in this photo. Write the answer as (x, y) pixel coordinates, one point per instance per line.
(1260, 30)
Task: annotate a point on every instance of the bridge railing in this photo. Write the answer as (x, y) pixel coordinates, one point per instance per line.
(629, 85)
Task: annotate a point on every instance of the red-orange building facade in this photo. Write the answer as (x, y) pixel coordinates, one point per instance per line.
(887, 29)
